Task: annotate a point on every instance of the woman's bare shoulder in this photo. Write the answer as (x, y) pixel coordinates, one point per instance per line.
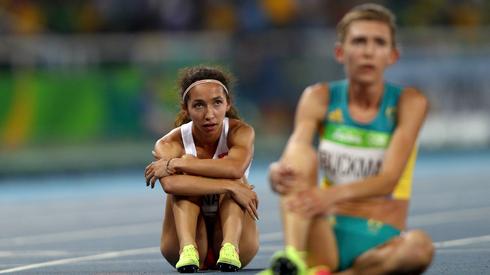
(240, 127)
(414, 98)
(172, 141)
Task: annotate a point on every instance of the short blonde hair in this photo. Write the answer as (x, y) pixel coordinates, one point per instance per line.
(370, 12)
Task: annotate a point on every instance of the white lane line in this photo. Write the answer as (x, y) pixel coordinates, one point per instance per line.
(102, 232)
(457, 216)
(132, 252)
(34, 253)
(465, 250)
(152, 250)
(102, 256)
(98, 233)
(462, 242)
(155, 227)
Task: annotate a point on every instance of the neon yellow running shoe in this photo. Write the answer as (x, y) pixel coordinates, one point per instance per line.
(288, 262)
(228, 261)
(188, 260)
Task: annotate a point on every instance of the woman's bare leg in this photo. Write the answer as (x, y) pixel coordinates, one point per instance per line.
(186, 211)
(410, 253)
(322, 245)
(231, 217)
(309, 241)
(170, 244)
(296, 227)
(238, 228)
(249, 241)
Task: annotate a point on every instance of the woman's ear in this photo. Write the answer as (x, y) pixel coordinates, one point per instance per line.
(183, 107)
(394, 56)
(227, 100)
(339, 52)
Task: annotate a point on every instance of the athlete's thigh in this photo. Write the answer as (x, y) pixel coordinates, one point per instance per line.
(410, 252)
(249, 240)
(321, 244)
(169, 241)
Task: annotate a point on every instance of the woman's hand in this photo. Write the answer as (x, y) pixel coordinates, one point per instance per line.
(281, 178)
(247, 198)
(158, 169)
(311, 202)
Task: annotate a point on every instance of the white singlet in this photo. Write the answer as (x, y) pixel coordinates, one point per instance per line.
(210, 203)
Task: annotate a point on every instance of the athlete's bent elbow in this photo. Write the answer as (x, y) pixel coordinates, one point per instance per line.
(236, 171)
(387, 191)
(236, 174)
(388, 184)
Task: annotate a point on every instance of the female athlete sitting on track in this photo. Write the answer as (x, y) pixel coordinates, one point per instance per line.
(202, 165)
(367, 130)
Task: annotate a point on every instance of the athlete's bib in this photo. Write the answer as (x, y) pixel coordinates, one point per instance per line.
(349, 150)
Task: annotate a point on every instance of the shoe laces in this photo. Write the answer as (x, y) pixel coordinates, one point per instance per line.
(189, 251)
(229, 251)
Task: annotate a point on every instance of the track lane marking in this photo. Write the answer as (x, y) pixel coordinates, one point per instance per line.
(97, 233)
(266, 248)
(154, 227)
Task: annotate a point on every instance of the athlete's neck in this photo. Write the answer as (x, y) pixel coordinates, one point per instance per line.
(364, 101)
(206, 141)
(365, 96)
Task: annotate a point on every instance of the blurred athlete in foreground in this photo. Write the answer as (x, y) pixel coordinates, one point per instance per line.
(354, 222)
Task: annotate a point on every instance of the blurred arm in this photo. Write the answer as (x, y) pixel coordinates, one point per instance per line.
(299, 160)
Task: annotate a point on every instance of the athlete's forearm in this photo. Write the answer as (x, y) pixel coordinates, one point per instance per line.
(188, 185)
(215, 168)
(370, 187)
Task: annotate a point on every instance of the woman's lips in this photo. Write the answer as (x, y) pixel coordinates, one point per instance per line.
(367, 67)
(210, 127)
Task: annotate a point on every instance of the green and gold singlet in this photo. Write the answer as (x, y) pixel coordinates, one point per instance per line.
(350, 150)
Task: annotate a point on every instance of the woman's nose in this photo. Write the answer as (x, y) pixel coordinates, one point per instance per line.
(209, 113)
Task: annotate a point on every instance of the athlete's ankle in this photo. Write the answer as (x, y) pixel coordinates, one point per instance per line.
(235, 245)
(183, 245)
(291, 249)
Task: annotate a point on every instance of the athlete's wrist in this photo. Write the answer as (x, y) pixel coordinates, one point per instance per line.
(231, 186)
(176, 164)
(169, 168)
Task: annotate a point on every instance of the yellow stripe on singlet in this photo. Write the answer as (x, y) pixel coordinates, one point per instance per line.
(403, 189)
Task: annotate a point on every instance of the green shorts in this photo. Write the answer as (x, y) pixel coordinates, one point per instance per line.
(356, 235)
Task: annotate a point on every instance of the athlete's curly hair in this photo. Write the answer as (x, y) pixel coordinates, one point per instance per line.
(189, 75)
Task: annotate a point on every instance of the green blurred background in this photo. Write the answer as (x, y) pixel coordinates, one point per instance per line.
(90, 85)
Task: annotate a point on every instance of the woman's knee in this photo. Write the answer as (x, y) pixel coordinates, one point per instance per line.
(248, 249)
(253, 244)
(414, 254)
(187, 199)
(422, 247)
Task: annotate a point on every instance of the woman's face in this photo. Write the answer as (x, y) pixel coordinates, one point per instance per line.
(366, 51)
(207, 106)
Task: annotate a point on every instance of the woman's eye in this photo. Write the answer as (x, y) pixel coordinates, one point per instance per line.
(198, 105)
(381, 42)
(358, 41)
